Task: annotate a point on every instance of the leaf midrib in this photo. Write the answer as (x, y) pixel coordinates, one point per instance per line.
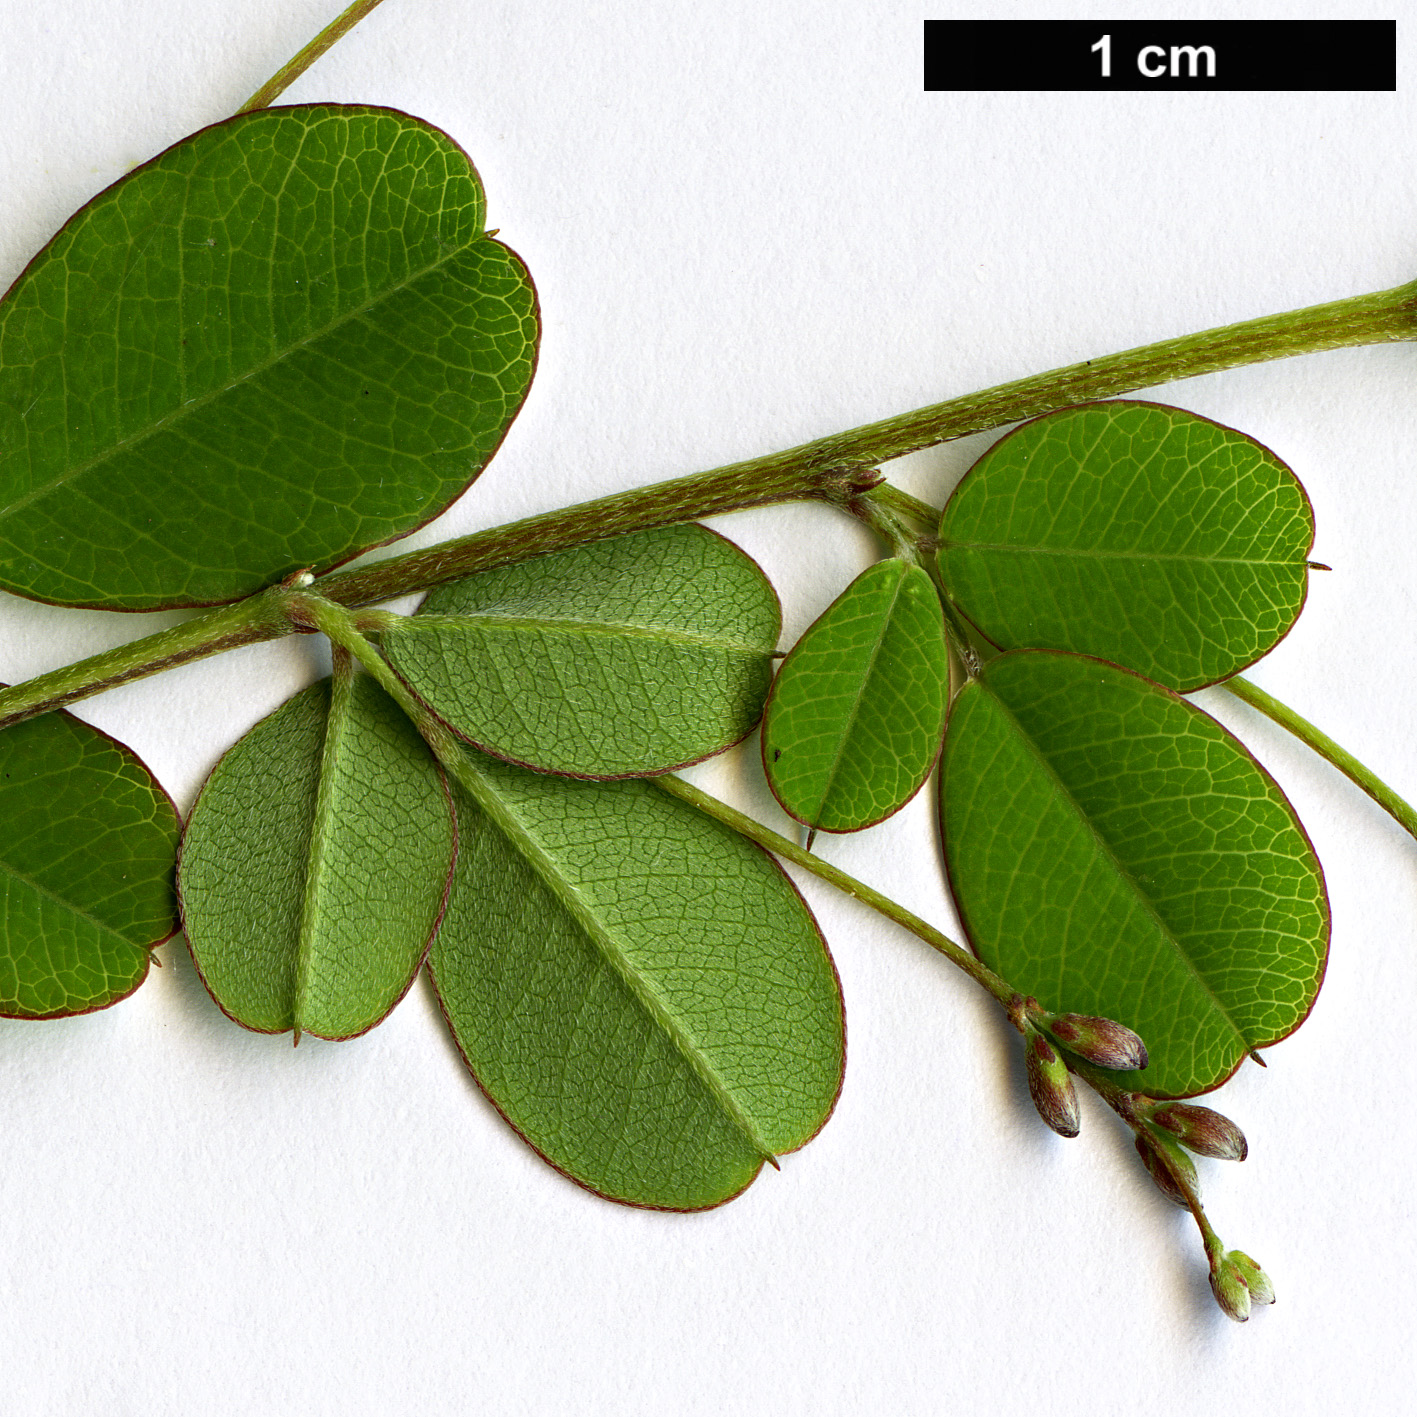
(555, 624)
(1095, 553)
(522, 840)
(69, 907)
(1105, 847)
(338, 718)
(857, 699)
(193, 406)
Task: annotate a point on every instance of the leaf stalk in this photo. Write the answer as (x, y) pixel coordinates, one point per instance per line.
(327, 38)
(1358, 773)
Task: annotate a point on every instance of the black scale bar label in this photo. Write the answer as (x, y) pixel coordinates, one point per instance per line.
(1224, 55)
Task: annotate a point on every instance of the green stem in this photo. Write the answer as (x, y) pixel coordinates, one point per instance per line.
(264, 616)
(1379, 318)
(312, 611)
(834, 469)
(1400, 811)
(780, 845)
(900, 502)
(875, 511)
(764, 482)
(287, 75)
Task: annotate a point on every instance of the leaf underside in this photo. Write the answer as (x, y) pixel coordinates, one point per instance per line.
(87, 844)
(640, 991)
(853, 722)
(315, 865)
(284, 340)
(1114, 851)
(1145, 535)
(627, 656)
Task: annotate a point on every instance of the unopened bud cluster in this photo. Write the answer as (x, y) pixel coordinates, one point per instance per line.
(1163, 1129)
(1099, 1041)
(1238, 1283)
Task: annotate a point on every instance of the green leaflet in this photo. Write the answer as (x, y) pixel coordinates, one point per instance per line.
(87, 842)
(1145, 535)
(622, 657)
(853, 722)
(281, 342)
(640, 991)
(1114, 851)
(316, 862)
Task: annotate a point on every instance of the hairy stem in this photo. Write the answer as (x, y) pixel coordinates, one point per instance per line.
(265, 616)
(262, 617)
(287, 74)
(834, 469)
(1400, 811)
(904, 505)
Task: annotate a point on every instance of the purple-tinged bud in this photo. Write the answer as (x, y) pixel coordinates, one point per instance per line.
(1256, 1280)
(1201, 1130)
(1229, 1287)
(1050, 1084)
(1102, 1041)
(1151, 1150)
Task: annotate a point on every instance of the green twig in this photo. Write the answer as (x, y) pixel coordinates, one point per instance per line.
(287, 75)
(900, 502)
(834, 469)
(876, 512)
(1400, 811)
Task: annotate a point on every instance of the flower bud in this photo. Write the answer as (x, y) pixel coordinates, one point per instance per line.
(1256, 1280)
(1050, 1085)
(1201, 1130)
(1151, 1149)
(1102, 1041)
(1229, 1287)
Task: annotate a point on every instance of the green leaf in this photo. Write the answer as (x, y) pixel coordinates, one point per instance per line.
(282, 341)
(1145, 535)
(1114, 851)
(640, 991)
(87, 845)
(316, 863)
(622, 657)
(853, 722)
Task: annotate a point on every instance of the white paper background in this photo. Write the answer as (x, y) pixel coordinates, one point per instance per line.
(749, 226)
